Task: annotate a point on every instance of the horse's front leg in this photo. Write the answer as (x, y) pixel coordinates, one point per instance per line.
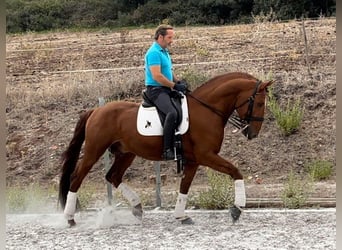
(189, 173)
(216, 162)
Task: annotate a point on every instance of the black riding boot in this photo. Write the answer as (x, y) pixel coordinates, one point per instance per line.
(169, 131)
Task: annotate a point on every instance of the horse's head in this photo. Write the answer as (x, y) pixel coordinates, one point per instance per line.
(250, 107)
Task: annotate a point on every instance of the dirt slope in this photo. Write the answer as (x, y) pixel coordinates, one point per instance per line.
(53, 77)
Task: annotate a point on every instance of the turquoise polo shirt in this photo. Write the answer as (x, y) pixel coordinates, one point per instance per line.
(156, 55)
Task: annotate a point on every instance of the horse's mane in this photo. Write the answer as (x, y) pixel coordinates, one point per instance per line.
(227, 76)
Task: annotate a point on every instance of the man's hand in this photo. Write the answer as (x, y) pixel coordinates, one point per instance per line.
(182, 82)
(181, 86)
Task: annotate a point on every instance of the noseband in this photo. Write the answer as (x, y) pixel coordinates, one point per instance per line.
(242, 124)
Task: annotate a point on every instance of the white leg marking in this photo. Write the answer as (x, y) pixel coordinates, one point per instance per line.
(70, 206)
(180, 205)
(240, 193)
(129, 194)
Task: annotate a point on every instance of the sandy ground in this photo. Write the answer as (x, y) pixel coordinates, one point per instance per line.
(112, 228)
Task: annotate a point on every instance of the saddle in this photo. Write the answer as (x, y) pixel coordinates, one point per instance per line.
(154, 125)
(176, 99)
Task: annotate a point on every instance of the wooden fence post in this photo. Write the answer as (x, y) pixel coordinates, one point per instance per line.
(307, 61)
(158, 183)
(107, 163)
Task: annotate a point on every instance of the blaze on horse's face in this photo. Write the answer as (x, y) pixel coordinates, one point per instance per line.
(252, 112)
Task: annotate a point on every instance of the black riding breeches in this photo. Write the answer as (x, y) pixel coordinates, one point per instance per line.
(160, 96)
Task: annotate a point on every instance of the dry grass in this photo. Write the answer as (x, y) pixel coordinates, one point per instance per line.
(214, 49)
(52, 77)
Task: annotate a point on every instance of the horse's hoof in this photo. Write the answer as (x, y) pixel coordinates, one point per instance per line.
(138, 211)
(186, 220)
(235, 212)
(181, 174)
(72, 223)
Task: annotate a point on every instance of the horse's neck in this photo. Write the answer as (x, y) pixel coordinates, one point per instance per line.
(221, 92)
(218, 92)
(226, 83)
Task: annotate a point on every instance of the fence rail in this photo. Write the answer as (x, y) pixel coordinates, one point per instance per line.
(278, 202)
(176, 65)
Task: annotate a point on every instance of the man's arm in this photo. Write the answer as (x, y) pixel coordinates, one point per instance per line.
(159, 77)
(175, 78)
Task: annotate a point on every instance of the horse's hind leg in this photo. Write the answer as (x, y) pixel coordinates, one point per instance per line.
(81, 171)
(114, 176)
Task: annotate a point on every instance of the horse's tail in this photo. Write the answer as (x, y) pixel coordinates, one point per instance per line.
(71, 155)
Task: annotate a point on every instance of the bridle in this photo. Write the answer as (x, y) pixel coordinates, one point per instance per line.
(234, 119)
(242, 124)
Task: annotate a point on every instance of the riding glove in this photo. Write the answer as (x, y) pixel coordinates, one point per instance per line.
(181, 86)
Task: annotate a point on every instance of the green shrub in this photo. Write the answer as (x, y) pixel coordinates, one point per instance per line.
(194, 78)
(289, 118)
(296, 191)
(35, 198)
(31, 198)
(16, 200)
(219, 195)
(319, 169)
(153, 12)
(86, 195)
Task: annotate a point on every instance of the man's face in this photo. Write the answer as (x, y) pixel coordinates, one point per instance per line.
(166, 40)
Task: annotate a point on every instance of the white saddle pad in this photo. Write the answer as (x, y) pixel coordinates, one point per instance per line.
(148, 121)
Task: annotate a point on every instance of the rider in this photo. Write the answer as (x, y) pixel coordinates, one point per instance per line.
(160, 80)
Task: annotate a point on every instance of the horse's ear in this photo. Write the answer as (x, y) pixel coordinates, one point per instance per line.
(264, 85)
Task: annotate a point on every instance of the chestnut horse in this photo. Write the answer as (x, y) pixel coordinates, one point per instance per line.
(114, 125)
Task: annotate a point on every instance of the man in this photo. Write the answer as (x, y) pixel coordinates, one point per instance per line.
(160, 80)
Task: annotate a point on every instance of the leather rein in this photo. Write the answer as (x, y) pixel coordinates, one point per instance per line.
(235, 119)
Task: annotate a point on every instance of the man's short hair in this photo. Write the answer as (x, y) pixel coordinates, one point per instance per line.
(162, 30)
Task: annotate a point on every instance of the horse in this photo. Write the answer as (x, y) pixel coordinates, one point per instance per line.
(114, 126)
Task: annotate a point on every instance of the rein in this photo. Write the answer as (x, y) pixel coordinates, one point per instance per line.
(235, 119)
(216, 111)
